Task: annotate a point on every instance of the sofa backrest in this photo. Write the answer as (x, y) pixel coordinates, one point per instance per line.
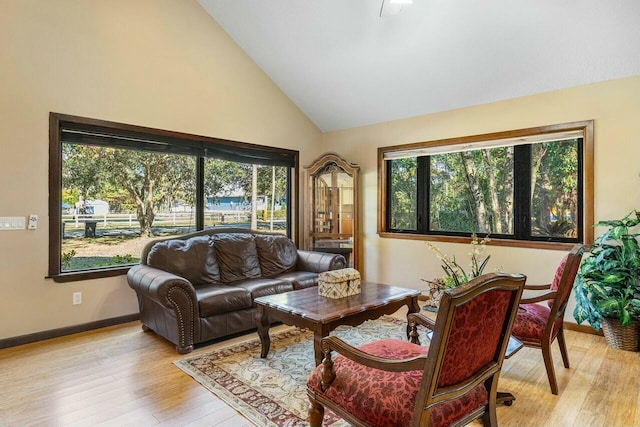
(223, 255)
(277, 254)
(194, 259)
(237, 256)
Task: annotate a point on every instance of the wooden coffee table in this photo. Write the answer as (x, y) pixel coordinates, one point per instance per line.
(306, 309)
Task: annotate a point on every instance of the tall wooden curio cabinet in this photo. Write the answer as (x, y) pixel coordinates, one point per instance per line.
(332, 207)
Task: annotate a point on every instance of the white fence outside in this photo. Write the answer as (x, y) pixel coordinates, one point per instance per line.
(160, 219)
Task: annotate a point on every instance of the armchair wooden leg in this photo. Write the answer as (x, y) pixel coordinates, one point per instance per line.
(563, 348)
(490, 418)
(548, 363)
(316, 413)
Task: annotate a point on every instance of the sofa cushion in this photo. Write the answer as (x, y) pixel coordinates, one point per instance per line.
(299, 279)
(262, 287)
(219, 299)
(194, 259)
(237, 256)
(277, 254)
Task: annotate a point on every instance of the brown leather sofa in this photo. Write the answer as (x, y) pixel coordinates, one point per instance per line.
(201, 286)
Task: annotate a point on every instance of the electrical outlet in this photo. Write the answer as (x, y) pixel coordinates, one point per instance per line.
(77, 298)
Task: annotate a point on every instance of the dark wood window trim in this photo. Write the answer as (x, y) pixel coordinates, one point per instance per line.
(193, 143)
(586, 129)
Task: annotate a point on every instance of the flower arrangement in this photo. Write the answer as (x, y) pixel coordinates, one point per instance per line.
(455, 275)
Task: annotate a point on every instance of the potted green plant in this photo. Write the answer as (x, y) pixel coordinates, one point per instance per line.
(455, 274)
(606, 287)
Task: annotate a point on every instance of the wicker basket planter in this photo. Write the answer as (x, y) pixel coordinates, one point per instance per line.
(621, 337)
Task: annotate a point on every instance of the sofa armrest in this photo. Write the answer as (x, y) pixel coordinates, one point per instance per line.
(160, 286)
(171, 292)
(318, 262)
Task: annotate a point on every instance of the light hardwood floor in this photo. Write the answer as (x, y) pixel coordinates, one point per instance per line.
(121, 376)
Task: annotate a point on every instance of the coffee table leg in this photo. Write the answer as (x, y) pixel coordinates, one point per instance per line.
(317, 349)
(320, 332)
(263, 331)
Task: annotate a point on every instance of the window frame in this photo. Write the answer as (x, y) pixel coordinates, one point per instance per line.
(585, 130)
(193, 143)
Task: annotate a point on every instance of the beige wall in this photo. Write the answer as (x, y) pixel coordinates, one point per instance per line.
(157, 63)
(615, 108)
(166, 64)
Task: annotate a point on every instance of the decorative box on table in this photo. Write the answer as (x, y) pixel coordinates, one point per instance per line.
(339, 283)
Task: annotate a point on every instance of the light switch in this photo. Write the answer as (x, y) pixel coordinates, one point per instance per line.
(12, 223)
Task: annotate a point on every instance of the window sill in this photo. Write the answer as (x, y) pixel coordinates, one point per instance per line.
(558, 246)
(76, 276)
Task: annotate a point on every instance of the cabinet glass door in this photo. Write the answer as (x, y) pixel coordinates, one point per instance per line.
(332, 207)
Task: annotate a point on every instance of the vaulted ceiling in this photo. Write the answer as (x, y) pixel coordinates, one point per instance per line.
(345, 65)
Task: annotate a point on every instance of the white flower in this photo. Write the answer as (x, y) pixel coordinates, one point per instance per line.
(455, 275)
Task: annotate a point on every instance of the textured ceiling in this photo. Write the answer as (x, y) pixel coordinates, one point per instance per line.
(345, 66)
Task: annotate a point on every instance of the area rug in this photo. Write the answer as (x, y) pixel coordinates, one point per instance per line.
(272, 391)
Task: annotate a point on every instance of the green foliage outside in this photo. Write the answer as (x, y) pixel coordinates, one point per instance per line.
(145, 182)
(88, 263)
(265, 214)
(473, 191)
(67, 259)
(469, 189)
(554, 182)
(403, 194)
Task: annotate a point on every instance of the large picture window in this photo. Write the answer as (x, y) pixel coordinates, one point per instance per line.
(531, 187)
(114, 187)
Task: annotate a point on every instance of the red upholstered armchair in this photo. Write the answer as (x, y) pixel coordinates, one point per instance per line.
(453, 381)
(539, 325)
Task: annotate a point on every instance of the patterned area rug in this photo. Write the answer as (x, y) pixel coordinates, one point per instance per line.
(272, 391)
